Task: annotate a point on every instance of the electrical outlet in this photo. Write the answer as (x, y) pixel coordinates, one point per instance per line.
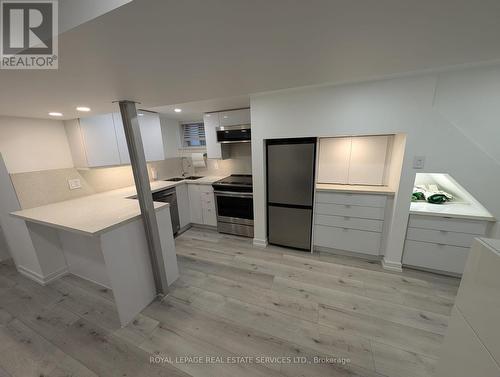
(74, 184)
(418, 162)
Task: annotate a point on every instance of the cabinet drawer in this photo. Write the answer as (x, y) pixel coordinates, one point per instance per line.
(209, 216)
(440, 237)
(435, 256)
(350, 222)
(448, 224)
(357, 241)
(352, 199)
(350, 210)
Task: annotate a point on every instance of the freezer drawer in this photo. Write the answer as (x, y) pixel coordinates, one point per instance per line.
(290, 227)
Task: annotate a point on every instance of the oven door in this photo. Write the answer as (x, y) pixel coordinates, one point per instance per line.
(234, 207)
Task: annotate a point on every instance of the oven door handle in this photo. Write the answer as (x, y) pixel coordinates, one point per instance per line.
(234, 194)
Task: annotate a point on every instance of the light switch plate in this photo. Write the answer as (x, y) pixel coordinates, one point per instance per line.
(74, 184)
(418, 162)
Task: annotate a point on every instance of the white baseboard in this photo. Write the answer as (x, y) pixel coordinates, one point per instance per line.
(40, 279)
(259, 242)
(392, 266)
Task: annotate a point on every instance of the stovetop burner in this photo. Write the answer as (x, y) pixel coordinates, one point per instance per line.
(235, 182)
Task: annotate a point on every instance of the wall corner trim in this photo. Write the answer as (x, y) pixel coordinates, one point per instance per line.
(260, 242)
(392, 266)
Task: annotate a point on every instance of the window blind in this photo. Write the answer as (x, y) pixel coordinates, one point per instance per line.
(193, 135)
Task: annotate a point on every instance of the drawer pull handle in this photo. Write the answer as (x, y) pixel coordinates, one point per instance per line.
(345, 229)
(441, 244)
(347, 218)
(444, 231)
(347, 206)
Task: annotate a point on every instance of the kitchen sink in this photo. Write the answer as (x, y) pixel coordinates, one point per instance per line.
(193, 177)
(174, 179)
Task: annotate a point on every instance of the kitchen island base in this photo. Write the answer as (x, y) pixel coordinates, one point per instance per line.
(117, 259)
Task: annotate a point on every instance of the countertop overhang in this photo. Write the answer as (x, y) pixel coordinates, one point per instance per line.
(95, 214)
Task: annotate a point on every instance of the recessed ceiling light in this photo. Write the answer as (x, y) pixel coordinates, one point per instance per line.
(140, 114)
(83, 108)
(55, 114)
(177, 110)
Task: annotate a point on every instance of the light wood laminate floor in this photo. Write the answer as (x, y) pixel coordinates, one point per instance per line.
(233, 300)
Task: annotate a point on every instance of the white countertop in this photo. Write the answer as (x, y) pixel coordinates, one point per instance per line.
(359, 189)
(450, 209)
(95, 214)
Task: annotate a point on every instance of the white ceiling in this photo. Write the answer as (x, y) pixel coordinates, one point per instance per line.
(163, 52)
(193, 111)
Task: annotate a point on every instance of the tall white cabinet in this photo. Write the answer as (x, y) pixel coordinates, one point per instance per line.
(359, 160)
(100, 140)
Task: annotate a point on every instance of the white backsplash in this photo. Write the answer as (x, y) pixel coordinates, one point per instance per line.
(239, 163)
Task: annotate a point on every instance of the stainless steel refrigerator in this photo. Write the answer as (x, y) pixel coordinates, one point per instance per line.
(290, 191)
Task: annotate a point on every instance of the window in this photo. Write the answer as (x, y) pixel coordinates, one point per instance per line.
(193, 135)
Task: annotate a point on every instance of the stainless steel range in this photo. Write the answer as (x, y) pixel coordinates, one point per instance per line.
(234, 202)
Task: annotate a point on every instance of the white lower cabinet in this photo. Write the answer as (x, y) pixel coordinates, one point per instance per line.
(183, 204)
(463, 354)
(472, 343)
(440, 243)
(435, 256)
(208, 205)
(349, 222)
(358, 241)
(195, 210)
(202, 205)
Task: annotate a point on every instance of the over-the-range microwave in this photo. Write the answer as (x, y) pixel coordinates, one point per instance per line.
(234, 134)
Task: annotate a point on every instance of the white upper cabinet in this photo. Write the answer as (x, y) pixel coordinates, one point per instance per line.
(214, 149)
(234, 117)
(151, 136)
(120, 138)
(360, 160)
(99, 140)
(334, 154)
(368, 160)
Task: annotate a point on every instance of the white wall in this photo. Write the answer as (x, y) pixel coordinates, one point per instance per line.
(33, 144)
(404, 105)
(4, 248)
